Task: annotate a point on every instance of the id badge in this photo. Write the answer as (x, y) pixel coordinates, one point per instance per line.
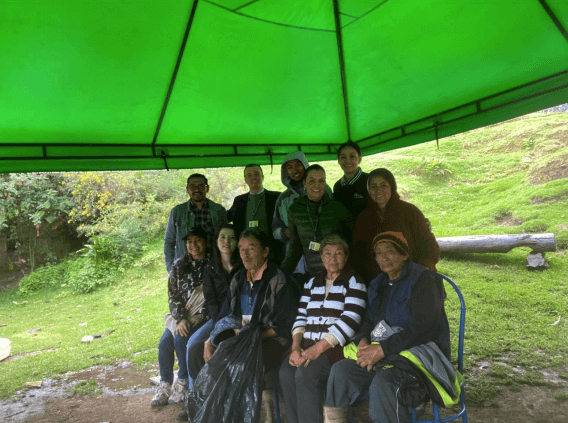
(253, 223)
(314, 246)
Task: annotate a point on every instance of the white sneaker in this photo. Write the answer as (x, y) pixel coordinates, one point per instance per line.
(162, 394)
(179, 391)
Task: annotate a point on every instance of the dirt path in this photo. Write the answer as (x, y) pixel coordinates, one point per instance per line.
(126, 395)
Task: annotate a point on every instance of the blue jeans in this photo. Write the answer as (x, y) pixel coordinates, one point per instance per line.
(199, 335)
(168, 344)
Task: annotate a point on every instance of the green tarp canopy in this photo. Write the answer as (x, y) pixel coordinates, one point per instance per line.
(150, 84)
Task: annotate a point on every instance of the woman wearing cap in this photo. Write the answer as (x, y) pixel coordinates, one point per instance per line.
(407, 297)
(185, 297)
(329, 315)
(388, 212)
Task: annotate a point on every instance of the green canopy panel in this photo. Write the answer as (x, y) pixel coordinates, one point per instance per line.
(117, 85)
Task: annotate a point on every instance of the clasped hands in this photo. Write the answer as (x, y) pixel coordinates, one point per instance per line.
(300, 356)
(369, 354)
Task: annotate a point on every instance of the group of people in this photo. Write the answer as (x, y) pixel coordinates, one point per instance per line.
(341, 282)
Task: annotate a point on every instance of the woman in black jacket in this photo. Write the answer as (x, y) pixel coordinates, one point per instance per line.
(222, 266)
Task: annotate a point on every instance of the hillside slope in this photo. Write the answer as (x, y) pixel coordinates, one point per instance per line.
(505, 178)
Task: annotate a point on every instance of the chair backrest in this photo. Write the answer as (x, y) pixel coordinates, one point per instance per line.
(462, 320)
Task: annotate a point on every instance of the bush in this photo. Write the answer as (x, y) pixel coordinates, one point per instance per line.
(120, 212)
(98, 195)
(85, 276)
(51, 275)
(435, 168)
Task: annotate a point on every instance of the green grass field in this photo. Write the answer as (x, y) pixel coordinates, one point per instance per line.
(505, 179)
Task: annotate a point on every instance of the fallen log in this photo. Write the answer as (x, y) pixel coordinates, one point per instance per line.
(539, 243)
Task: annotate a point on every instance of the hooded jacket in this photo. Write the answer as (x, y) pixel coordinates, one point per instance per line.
(294, 190)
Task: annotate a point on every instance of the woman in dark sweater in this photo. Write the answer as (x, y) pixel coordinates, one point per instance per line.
(329, 315)
(388, 212)
(351, 189)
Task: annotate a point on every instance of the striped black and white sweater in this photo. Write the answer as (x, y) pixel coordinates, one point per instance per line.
(339, 314)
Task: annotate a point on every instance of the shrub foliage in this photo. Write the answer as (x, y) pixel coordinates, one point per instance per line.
(119, 213)
(33, 212)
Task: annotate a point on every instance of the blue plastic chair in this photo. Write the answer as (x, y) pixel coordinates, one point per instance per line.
(435, 409)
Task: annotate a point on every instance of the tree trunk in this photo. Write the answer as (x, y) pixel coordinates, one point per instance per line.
(3, 252)
(539, 243)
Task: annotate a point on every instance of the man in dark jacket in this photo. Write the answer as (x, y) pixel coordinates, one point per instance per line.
(255, 209)
(260, 292)
(311, 217)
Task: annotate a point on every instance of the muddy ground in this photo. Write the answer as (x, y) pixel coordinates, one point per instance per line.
(125, 395)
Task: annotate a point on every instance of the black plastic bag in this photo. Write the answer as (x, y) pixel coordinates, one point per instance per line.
(229, 387)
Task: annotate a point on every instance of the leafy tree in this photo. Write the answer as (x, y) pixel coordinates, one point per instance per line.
(33, 212)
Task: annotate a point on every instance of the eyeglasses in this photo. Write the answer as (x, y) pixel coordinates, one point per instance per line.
(194, 187)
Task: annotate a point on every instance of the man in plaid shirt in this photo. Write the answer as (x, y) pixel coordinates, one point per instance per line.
(199, 211)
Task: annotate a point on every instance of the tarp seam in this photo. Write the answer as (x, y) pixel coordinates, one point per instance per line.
(266, 20)
(242, 6)
(365, 14)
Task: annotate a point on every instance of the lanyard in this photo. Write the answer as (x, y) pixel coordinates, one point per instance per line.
(314, 227)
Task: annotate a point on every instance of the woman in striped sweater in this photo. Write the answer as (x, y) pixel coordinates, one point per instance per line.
(329, 315)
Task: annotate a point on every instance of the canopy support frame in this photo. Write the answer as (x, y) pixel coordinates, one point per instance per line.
(174, 75)
(479, 110)
(556, 21)
(339, 38)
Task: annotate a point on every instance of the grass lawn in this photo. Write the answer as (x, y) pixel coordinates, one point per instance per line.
(133, 308)
(504, 179)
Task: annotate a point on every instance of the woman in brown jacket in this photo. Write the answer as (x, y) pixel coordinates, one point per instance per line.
(388, 212)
